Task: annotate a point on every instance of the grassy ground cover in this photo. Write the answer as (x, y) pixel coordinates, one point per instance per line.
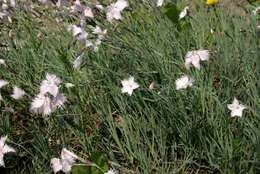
(160, 131)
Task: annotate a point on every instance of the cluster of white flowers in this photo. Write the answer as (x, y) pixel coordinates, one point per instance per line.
(90, 36)
(65, 162)
(49, 97)
(94, 37)
(6, 5)
(192, 58)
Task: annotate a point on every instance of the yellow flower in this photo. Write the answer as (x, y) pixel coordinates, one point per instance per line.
(211, 2)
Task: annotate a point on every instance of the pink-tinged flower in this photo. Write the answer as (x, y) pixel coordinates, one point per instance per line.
(13, 3)
(18, 93)
(129, 85)
(60, 3)
(49, 98)
(41, 104)
(58, 101)
(184, 82)
(114, 10)
(78, 32)
(76, 7)
(194, 57)
(88, 12)
(3, 14)
(50, 85)
(4, 148)
(236, 108)
(64, 163)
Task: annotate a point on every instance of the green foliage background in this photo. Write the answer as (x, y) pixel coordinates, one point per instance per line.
(164, 130)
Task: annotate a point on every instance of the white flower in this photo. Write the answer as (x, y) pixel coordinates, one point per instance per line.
(100, 7)
(3, 14)
(50, 85)
(129, 85)
(77, 62)
(152, 85)
(76, 7)
(96, 45)
(88, 44)
(60, 3)
(184, 82)
(4, 148)
(77, 32)
(88, 12)
(49, 98)
(184, 12)
(18, 93)
(101, 33)
(43, 1)
(41, 104)
(111, 171)
(65, 163)
(2, 62)
(159, 3)
(69, 85)
(255, 11)
(8, 109)
(4, 6)
(236, 108)
(114, 10)
(194, 58)
(12, 3)
(58, 101)
(3, 83)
